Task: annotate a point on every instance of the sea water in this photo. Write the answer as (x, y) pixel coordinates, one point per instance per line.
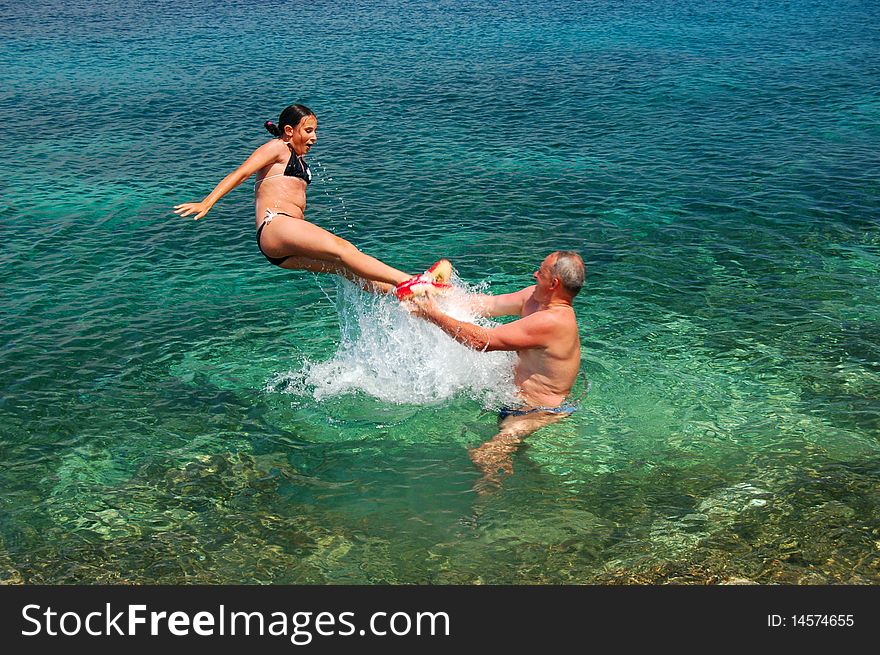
(176, 410)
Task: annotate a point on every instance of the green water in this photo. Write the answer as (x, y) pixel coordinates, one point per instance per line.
(176, 410)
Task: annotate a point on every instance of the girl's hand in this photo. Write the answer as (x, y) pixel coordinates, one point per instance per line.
(187, 208)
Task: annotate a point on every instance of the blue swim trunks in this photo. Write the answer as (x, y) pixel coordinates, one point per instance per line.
(564, 408)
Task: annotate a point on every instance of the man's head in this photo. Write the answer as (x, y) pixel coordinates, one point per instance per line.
(569, 268)
(561, 271)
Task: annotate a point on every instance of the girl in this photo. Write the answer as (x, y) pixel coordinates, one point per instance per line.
(284, 236)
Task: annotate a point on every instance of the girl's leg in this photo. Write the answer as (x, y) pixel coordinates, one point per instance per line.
(317, 266)
(303, 240)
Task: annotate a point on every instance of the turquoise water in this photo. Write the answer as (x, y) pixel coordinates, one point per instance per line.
(176, 410)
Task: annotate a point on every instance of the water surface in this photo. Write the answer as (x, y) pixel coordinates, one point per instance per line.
(176, 410)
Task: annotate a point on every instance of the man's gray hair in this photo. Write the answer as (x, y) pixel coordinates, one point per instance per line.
(570, 270)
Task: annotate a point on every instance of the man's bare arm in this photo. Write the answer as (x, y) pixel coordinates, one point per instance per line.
(506, 304)
(534, 331)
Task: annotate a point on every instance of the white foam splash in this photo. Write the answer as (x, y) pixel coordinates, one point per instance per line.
(389, 354)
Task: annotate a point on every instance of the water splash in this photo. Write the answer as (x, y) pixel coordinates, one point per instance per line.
(388, 354)
(334, 199)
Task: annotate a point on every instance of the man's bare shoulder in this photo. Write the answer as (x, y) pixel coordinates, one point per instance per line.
(552, 324)
(561, 317)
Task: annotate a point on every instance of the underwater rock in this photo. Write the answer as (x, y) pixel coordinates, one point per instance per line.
(128, 508)
(362, 560)
(724, 505)
(738, 581)
(540, 549)
(673, 539)
(833, 511)
(217, 476)
(573, 525)
(8, 574)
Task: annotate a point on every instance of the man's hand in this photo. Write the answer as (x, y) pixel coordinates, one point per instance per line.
(421, 306)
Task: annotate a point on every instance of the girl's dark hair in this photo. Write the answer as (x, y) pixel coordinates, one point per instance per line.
(290, 116)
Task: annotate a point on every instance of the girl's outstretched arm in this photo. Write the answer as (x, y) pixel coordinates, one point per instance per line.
(260, 158)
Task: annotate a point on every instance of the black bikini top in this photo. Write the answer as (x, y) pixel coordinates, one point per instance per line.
(297, 167)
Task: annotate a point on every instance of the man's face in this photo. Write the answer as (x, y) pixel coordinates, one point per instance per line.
(544, 274)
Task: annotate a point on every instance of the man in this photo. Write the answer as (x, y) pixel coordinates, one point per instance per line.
(545, 338)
